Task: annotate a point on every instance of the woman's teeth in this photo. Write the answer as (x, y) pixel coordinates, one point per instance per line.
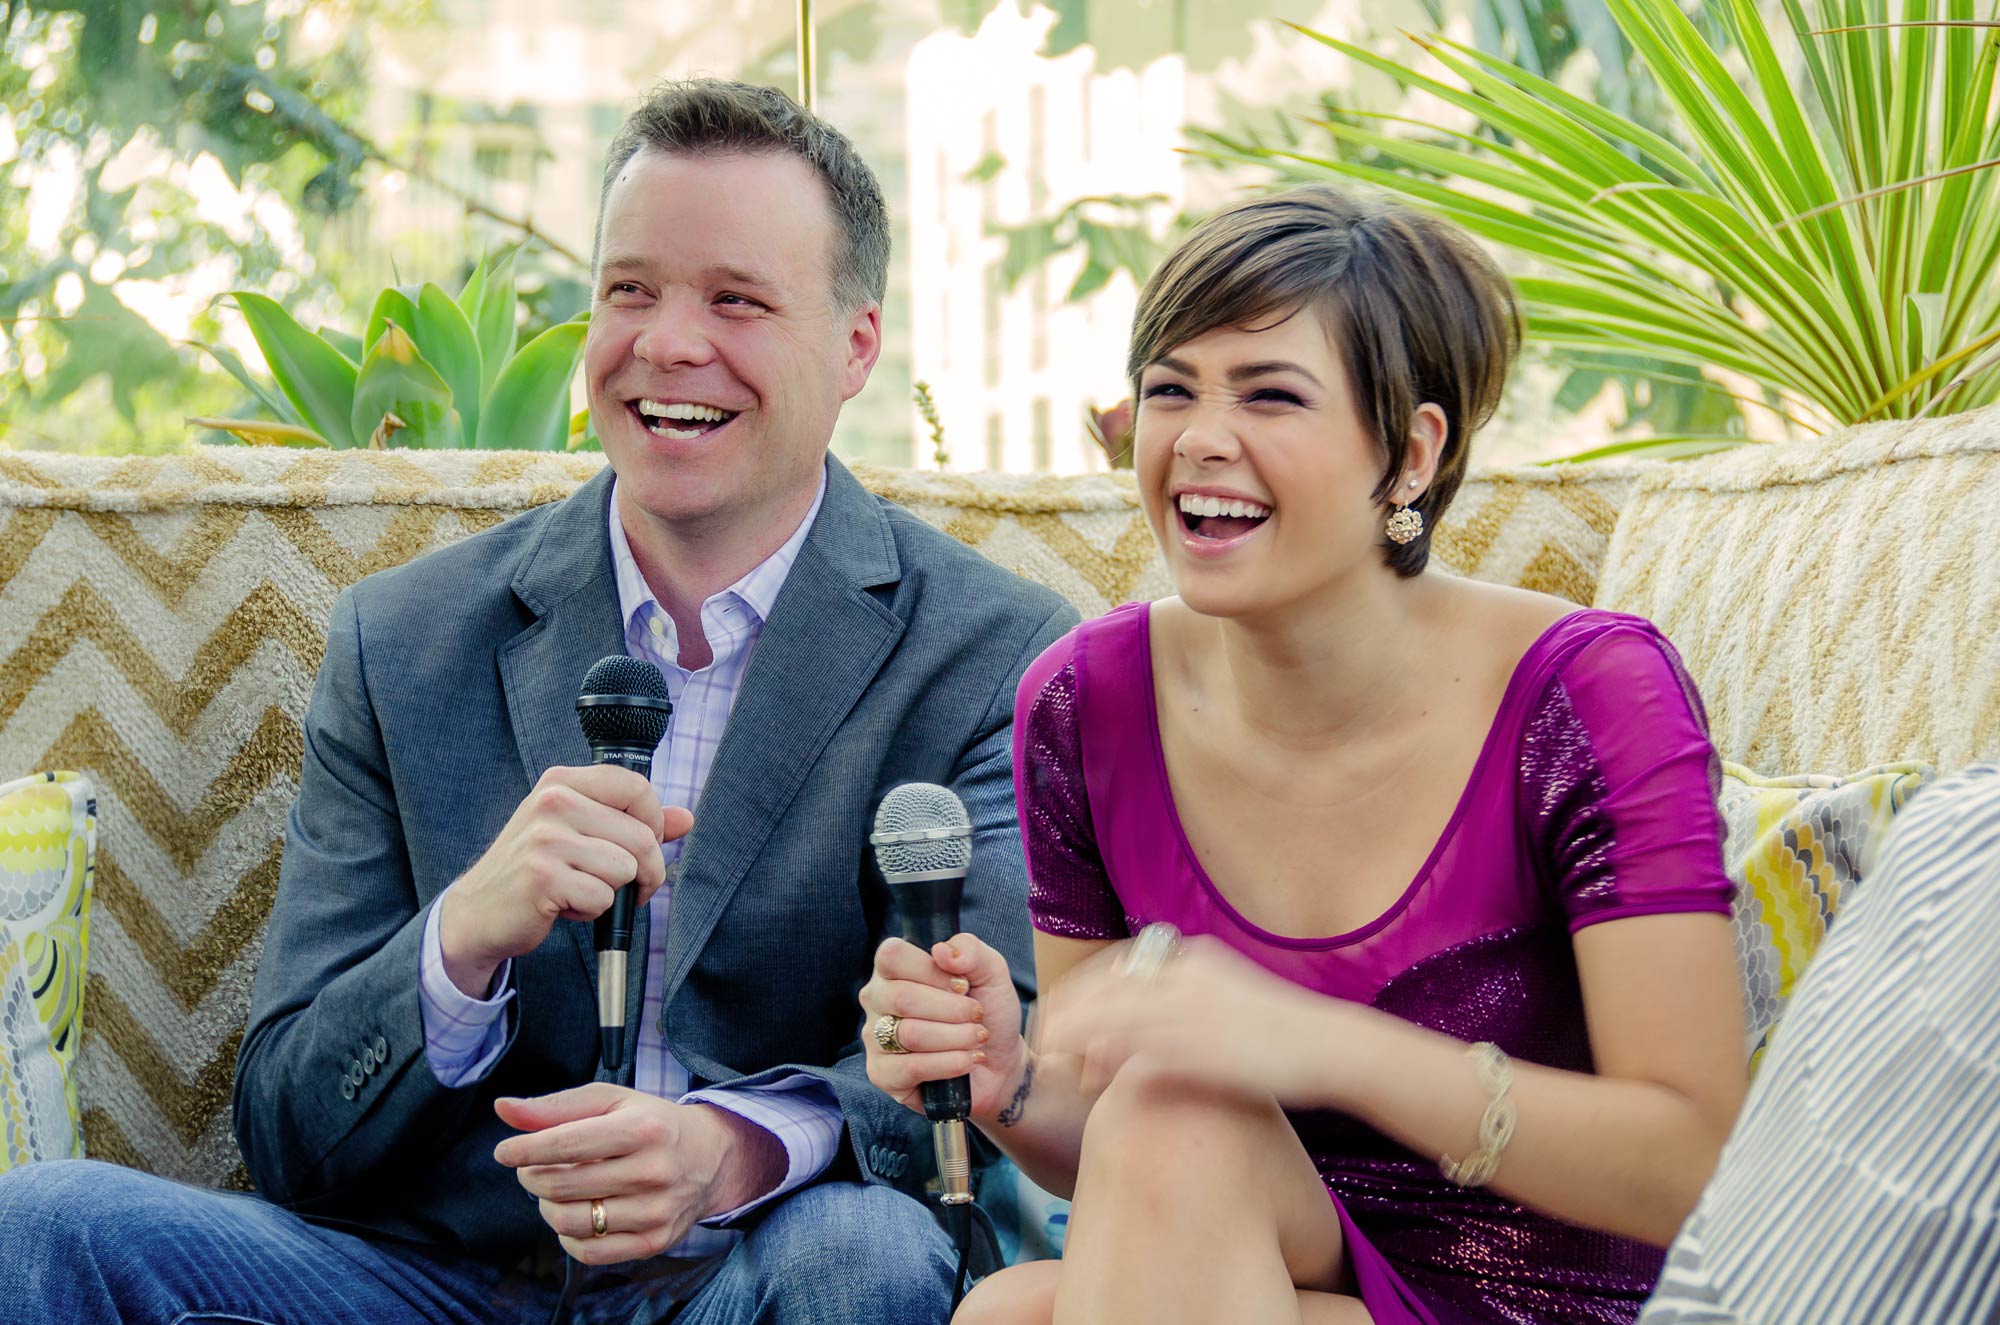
(1241, 510)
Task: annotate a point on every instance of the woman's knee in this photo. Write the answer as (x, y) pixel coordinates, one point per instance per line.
(1150, 1123)
(1018, 1295)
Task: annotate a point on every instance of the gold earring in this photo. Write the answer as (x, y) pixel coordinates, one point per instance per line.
(1404, 525)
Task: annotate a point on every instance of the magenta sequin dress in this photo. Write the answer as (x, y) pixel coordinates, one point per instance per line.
(1593, 798)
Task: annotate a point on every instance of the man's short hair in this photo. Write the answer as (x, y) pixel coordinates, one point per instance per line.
(712, 117)
(1418, 312)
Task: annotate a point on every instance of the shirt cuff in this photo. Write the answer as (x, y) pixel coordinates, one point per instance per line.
(800, 1110)
(463, 1037)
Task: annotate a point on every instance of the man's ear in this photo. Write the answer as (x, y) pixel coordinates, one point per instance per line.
(864, 347)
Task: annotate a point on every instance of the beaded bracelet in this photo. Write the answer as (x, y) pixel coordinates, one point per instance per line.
(1496, 1124)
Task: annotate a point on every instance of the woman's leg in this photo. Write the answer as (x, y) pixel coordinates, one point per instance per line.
(1194, 1205)
(1026, 1295)
(1022, 1294)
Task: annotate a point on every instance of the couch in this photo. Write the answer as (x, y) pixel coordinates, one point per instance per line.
(161, 619)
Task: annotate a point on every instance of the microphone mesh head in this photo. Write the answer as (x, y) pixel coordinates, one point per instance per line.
(611, 723)
(915, 807)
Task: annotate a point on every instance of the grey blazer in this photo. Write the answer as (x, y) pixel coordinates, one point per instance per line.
(891, 655)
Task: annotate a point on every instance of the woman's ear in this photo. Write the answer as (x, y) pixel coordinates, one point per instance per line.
(1429, 431)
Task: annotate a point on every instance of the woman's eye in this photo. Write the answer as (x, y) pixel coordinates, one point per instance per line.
(1165, 390)
(1278, 395)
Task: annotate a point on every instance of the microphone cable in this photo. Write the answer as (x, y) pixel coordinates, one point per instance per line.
(961, 1230)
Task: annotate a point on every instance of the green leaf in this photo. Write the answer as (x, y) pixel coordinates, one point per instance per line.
(473, 291)
(104, 337)
(400, 398)
(392, 305)
(346, 342)
(493, 325)
(1579, 389)
(266, 394)
(445, 338)
(528, 407)
(1656, 448)
(258, 432)
(315, 377)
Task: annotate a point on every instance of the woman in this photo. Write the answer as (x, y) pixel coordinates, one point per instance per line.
(1455, 1035)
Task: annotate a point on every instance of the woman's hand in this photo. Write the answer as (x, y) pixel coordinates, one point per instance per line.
(1209, 1014)
(960, 1016)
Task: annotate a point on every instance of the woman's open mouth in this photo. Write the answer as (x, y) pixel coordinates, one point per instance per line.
(1218, 521)
(679, 421)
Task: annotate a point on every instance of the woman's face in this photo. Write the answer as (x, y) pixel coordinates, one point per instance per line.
(1255, 467)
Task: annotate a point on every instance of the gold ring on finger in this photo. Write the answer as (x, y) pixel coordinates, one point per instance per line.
(886, 1027)
(598, 1228)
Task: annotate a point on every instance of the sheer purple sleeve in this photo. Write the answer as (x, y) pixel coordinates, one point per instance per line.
(1069, 893)
(1620, 782)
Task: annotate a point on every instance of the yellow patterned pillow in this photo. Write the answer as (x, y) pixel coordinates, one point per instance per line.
(1798, 848)
(48, 847)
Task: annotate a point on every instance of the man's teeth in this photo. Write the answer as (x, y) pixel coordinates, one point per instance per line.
(1242, 510)
(654, 409)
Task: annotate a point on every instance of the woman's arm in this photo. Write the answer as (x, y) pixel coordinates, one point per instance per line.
(1627, 1150)
(1041, 1126)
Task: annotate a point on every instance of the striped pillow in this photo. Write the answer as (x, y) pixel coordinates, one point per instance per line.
(1862, 1181)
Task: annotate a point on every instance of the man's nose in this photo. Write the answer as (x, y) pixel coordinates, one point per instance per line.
(673, 335)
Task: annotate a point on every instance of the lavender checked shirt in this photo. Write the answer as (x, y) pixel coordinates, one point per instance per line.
(463, 1037)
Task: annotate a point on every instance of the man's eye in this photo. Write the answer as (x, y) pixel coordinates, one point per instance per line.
(736, 301)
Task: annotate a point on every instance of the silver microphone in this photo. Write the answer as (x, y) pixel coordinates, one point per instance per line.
(923, 844)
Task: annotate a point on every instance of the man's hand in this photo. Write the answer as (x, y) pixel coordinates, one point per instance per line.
(580, 835)
(657, 1167)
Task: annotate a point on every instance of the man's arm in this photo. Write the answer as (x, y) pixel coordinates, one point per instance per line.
(331, 1078)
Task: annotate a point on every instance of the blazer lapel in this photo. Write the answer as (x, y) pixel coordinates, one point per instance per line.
(565, 578)
(825, 640)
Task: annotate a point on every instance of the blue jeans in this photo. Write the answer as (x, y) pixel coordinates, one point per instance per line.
(88, 1243)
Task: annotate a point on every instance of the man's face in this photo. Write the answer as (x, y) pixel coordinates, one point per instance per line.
(716, 359)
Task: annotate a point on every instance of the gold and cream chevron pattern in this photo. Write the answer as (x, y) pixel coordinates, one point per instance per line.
(1838, 602)
(161, 619)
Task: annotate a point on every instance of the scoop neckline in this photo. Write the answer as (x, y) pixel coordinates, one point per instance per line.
(1509, 698)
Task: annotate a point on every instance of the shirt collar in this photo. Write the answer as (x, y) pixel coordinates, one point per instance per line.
(757, 590)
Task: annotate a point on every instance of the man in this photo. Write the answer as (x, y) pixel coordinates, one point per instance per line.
(416, 1078)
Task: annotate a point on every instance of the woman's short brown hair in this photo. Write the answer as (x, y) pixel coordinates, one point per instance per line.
(1419, 311)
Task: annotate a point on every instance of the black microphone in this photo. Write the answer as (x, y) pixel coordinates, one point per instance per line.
(623, 710)
(923, 844)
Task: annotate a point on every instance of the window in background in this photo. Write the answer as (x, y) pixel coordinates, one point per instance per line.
(1031, 152)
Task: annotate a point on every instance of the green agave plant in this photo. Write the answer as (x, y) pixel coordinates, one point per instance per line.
(427, 371)
(1826, 229)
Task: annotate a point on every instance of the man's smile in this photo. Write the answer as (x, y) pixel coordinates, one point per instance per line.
(680, 421)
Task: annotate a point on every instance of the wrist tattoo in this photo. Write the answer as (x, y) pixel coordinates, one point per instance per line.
(1016, 1106)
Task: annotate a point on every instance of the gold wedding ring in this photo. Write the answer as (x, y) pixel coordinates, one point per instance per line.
(1156, 945)
(886, 1027)
(598, 1228)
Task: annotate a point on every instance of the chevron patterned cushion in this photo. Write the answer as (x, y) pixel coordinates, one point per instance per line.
(1838, 601)
(48, 841)
(161, 619)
